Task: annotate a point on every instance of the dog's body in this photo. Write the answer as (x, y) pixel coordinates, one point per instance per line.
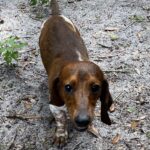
(75, 83)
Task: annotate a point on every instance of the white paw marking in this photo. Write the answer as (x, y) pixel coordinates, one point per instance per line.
(57, 110)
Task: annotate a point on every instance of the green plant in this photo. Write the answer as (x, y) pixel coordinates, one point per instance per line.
(113, 36)
(34, 2)
(148, 134)
(137, 18)
(9, 47)
(131, 109)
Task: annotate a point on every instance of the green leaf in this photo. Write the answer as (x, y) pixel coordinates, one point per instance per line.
(44, 1)
(33, 2)
(137, 18)
(15, 55)
(148, 134)
(130, 109)
(113, 36)
(8, 48)
(7, 57)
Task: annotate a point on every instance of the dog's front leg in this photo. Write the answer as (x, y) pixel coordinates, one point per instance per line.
(61, 134)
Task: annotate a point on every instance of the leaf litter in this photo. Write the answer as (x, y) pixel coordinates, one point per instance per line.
(130, 83)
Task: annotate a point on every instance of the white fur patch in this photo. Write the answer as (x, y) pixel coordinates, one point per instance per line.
(43, 24)
(64, 134)
(69, 21)
(57, 110)
(79, 56)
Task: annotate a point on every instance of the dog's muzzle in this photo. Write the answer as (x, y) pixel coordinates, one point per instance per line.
(82, 121)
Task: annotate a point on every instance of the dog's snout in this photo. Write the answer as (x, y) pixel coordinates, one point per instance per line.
(82, 120)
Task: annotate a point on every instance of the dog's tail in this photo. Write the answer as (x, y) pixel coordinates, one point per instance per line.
(54, 7)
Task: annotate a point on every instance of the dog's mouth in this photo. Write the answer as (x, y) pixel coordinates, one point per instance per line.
(81, 129)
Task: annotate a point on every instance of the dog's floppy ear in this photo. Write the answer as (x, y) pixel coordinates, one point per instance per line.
(55, 96)
(106, 102)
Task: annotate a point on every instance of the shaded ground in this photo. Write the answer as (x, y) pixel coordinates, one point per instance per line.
(126, 62)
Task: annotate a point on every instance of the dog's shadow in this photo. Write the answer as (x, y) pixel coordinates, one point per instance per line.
(18, 87)
(43, 96)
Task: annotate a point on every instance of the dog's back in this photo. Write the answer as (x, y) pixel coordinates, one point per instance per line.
(60, 40)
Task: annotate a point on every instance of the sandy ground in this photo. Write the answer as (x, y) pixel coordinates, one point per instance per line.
(116, 40)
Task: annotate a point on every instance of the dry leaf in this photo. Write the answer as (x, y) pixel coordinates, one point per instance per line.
(146, 7)
(28, 105)
(138, 35)
(111, 29)
(93, 130)
(112, 108)
(142, 101)
(142, 148)
(136, 55)
(103, 39)
(134, 124)
(138, 71)
(97, 114)
(116, 139)
(140, 118)
(140, 88)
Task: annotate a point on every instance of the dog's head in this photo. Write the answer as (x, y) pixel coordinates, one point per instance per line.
(79, 86)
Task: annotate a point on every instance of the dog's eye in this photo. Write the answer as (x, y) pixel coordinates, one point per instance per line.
(68, 88)
(95, 88)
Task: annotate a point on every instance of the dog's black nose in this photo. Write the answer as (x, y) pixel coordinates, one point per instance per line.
(82, 120)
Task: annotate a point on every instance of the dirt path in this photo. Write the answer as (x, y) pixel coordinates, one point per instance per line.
(117, 35)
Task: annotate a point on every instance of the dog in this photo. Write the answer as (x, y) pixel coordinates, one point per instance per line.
(75, 83)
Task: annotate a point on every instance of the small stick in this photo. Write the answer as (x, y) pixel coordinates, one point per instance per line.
(129, 26)
(40, 74)
(117, 97)
(1, 63)
(108, 56)
(76, 146)
(122, 71)
(12, 142)
(29, 50)
(25, 117)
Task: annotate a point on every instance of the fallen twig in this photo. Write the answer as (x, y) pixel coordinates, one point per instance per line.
(117, 97)
(1, 99)
(25, 117)
(1, 63)
(107, 56)
(128, 26)
(12, 142)
(40, 74)
(29, 50)
(99, 58)
(120, 71)
(105, 46)
(77, 145)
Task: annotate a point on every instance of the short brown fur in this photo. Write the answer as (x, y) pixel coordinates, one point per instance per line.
(59, 47)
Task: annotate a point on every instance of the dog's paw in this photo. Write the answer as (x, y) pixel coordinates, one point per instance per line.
(61, 137)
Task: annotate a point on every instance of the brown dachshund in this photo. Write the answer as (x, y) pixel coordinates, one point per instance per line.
(75, 83)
